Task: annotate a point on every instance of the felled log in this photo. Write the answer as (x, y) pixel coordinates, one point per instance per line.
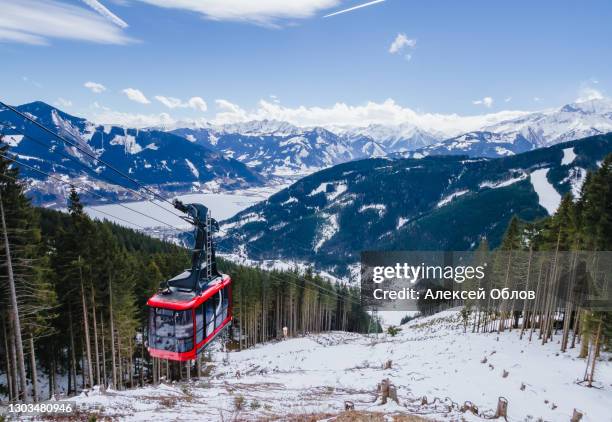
(468, 406)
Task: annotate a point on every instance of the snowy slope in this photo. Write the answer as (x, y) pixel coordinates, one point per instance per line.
(430, 357)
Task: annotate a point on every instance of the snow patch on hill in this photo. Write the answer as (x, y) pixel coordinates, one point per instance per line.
(328, 229)
(568, 156)
(548, 197)
(448, 199)
(503, 183)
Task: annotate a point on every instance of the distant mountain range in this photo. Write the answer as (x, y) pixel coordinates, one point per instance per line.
(432, 203)
(281, 149)
(209, 157)
(163, 161)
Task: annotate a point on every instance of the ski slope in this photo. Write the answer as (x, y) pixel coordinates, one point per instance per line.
(431, 357)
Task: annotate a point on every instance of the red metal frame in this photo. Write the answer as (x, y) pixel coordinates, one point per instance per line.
(158, 301)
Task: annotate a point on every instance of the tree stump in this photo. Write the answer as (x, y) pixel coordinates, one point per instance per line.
(393, 393)
(386, 391)
(383, 389)
(387, 364)
(577, 416)
(349, 405)
(502, 408)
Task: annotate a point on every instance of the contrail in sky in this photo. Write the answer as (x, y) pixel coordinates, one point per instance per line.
(350, 9)
(102, 10)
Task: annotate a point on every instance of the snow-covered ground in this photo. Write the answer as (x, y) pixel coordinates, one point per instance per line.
(430, 357)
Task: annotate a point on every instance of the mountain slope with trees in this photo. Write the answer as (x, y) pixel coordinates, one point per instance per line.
(433, 203)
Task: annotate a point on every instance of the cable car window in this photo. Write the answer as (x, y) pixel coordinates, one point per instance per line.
(184, 330)
(163, 337)
(225, 303)
(219, 308)
(210, 317)
(200, 323)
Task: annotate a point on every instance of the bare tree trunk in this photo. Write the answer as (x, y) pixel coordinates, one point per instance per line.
(72, 352)
(576, 326)
(13, 353)
(119, 363)
(53, 380)
(525, 304)
(34, 372)
(95, 328)
(142, 357)
(86, 327)
(569, 306)
(103, 383)
(112, 332)
(14, 307)
(7, 356)
(595, 353)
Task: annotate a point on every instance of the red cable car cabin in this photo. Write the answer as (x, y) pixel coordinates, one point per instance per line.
(194, 307)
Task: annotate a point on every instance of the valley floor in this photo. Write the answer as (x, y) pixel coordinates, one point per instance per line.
(314, 375)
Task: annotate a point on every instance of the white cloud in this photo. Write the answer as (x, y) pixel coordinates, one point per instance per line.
(486, 101)
(36, 21)
(196, 103)
(263, 12)
(136, 95)
(387, 112)
(336, 116)
(588, 94)
(95, 87)
(132, 120)
(536, 99)
(400, 42)
(62, 102)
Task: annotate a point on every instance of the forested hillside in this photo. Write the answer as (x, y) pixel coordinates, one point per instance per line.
(431, 203)
(73, 294)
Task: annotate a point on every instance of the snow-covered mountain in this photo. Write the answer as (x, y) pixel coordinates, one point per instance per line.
(532, 131)
(165, 162)
(399, 138)
(280, 148)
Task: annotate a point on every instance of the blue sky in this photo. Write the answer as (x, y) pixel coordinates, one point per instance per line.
(275, 58)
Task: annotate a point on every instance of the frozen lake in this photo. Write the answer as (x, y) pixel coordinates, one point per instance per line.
(221, 205)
